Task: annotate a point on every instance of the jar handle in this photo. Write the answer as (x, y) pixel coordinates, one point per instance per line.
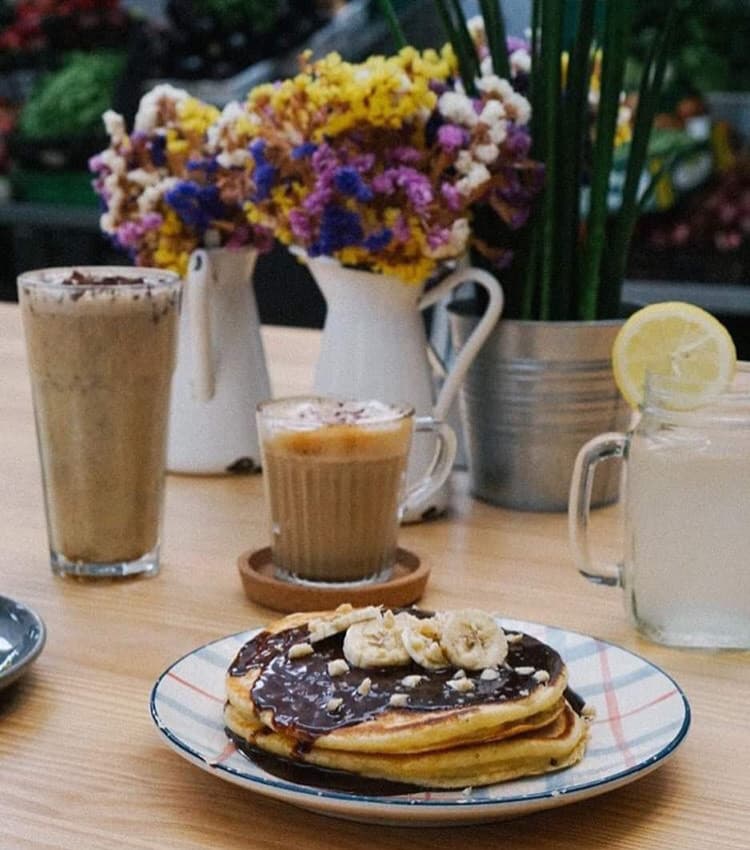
(603, 447)
(198, 300)
(480, 333)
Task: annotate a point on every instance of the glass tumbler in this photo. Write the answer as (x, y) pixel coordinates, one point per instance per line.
(101, 345)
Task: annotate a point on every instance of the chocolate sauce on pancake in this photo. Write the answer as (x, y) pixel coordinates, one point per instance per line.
(318, 777)
(297, 691)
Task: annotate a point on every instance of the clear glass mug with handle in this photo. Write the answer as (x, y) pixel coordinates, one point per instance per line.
(335, 479)
(687, 516)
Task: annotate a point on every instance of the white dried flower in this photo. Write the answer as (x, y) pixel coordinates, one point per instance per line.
(486, 153)
(476, 28)
(475, 179)
(233, 159)
(457, 108)
(492, 84)
(498, 132)
(147, 117)
(464, 162)
(114, 124)
(520, 62)
(492, 112)
(518, 108)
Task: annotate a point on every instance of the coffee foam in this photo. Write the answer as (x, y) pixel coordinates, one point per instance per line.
(311, 413)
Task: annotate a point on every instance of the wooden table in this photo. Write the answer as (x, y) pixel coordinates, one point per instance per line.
(81, 765)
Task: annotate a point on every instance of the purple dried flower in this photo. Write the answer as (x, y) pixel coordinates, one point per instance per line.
(349, 182)
(339, 228)
(303, 150)
(451, 137)
(378, 241)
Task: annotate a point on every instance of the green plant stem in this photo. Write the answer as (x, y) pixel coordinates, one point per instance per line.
(614, 48)
(467, 64)
(389, 13)
(469, 47)
(651, 83)
(550, 68)
(494, 26)
(574, 141)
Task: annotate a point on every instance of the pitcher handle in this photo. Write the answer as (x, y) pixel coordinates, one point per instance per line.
(603, 447)
(421, 492)
(480, 333)
(197, 296)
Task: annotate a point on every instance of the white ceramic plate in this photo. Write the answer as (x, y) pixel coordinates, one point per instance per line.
(642, 716)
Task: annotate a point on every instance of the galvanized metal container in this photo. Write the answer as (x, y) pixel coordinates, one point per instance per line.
(534, 395)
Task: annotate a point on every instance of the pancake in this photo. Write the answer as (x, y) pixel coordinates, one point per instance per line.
(559, 744)
(376, 694)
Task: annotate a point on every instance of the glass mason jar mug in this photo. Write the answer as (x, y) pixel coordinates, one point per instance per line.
(687, 516)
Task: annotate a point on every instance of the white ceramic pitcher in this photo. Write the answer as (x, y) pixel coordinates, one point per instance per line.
(221, 371)
(374, 346)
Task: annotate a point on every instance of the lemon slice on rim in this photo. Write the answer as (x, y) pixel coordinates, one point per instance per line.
(677, 341)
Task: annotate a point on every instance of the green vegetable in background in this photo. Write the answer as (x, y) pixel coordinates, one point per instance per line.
(70, 102)
(260, 14)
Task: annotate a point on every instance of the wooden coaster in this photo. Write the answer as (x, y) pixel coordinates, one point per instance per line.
(406, 585)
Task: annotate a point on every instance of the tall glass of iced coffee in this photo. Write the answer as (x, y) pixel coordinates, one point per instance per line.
(101, 345)
(334, 472)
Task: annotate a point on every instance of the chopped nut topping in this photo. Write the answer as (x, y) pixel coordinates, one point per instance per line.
(461, 685)
(399, 700)
(542, 676)
(524, 671)
(300, 650)
(334, 704)
(588, 712)
(489, 674)
(364, 687)
(412, 681)
(513, 637)
(459, 674)
(337, 667)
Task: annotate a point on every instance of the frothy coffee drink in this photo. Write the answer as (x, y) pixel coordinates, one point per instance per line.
(101, 352)
(334, 475)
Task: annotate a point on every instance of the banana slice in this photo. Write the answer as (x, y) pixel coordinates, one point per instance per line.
(375, 642)
(421, 638)
(472, 639)
(345, 615)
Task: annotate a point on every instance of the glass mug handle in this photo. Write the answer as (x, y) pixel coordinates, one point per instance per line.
(603, 447)
(440, 467)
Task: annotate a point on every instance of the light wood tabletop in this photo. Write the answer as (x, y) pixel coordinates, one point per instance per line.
(82, 766)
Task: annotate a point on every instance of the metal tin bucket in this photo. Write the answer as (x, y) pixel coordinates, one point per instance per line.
(534, 395)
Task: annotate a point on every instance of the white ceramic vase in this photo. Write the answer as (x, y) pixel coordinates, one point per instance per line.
(374, 346)
(221, 371)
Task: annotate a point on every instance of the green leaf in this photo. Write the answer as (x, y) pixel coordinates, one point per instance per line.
(386, 7)
(494, 26)
(614, 53)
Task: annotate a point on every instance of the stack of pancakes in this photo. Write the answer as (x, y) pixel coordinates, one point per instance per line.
(444, 700)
